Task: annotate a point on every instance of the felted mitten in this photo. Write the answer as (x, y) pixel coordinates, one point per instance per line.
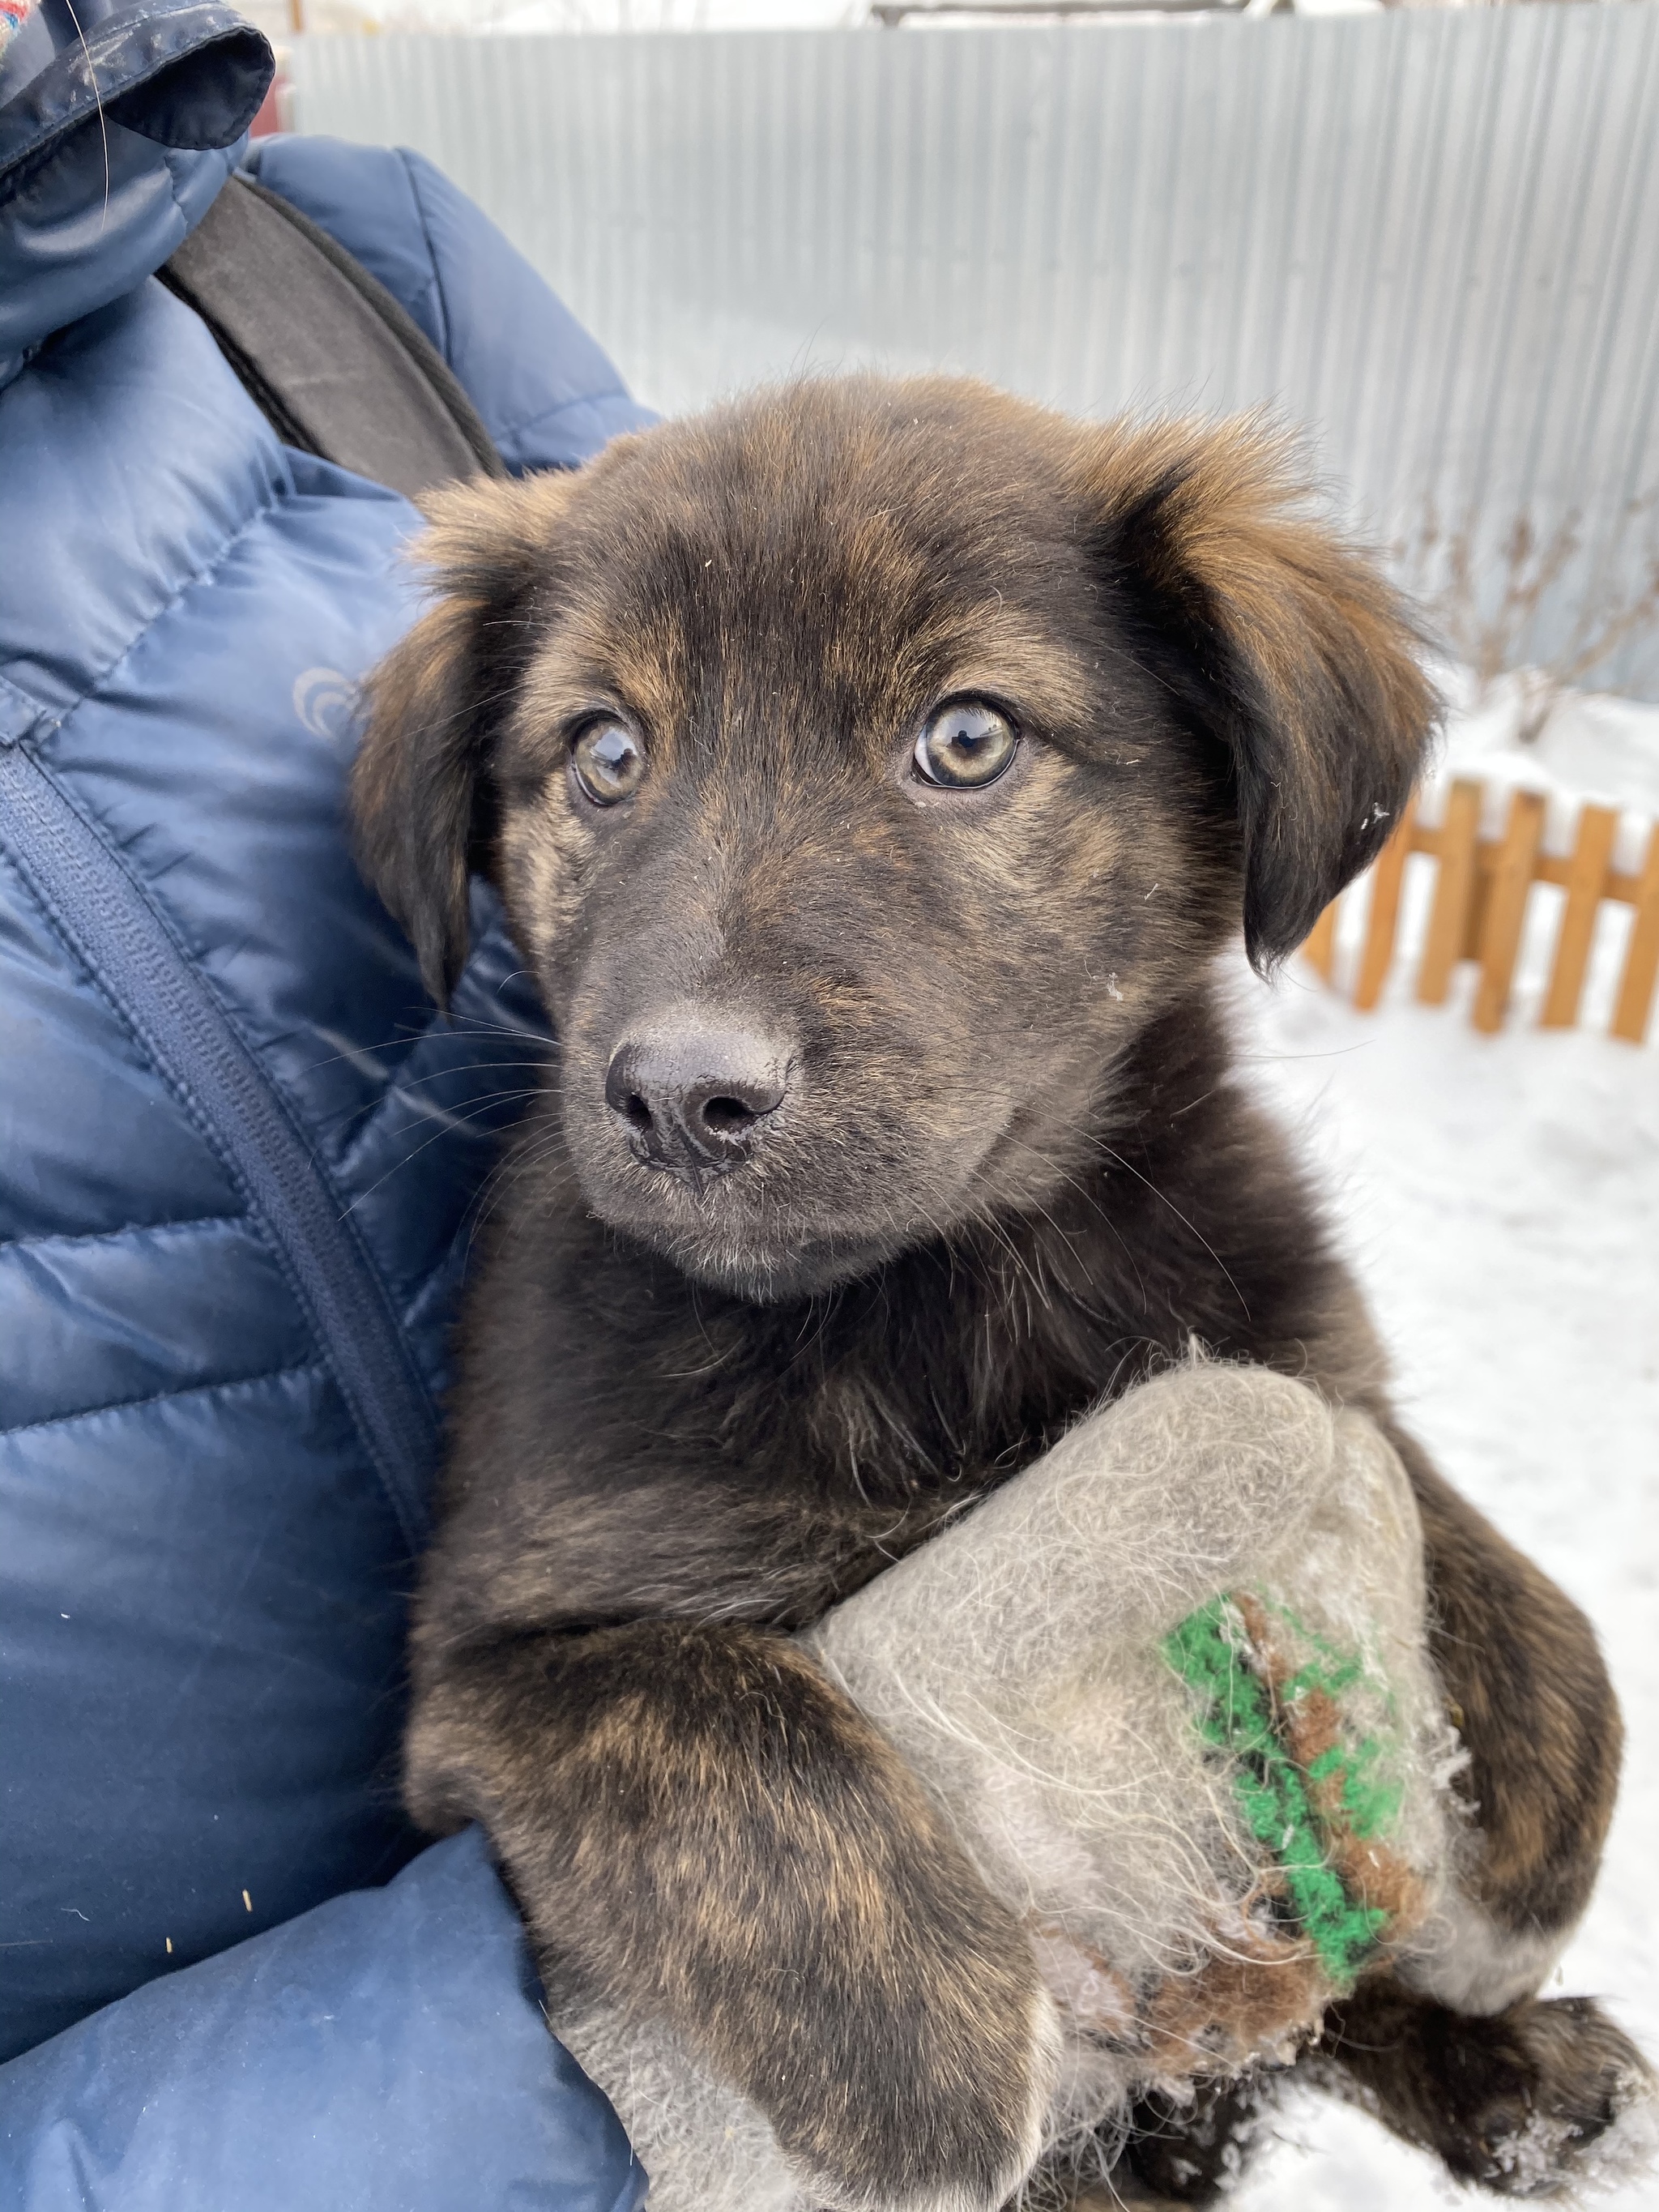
(1170, 1685)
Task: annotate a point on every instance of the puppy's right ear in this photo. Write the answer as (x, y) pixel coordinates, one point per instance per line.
(420, 787)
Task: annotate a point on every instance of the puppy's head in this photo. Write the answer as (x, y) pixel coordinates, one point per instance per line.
(862, 768)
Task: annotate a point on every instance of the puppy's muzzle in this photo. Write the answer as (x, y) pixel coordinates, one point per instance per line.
(696, 1101)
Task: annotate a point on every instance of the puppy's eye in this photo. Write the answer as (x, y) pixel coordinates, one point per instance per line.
(967, 743)
(608, 761)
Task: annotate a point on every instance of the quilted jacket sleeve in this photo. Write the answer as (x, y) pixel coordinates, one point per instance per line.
(384, 2052)
(241, 1159)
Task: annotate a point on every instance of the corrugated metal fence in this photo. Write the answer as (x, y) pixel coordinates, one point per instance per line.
(1430, 238)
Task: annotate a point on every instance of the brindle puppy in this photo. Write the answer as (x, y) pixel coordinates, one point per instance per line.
(872, 774)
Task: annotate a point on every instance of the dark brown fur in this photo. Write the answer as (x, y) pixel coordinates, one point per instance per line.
(1477, 2092)
(1011, 1172)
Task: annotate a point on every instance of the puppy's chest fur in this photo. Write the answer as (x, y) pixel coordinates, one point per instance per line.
(628, 1445)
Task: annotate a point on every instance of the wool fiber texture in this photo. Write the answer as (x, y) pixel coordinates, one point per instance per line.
(1035, 1664)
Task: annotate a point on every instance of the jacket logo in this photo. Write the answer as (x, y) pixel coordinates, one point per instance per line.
(325, 702)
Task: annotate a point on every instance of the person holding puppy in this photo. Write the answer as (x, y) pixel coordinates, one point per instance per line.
(867, 833)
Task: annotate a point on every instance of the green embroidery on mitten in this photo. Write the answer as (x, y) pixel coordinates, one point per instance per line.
(1237, 1716)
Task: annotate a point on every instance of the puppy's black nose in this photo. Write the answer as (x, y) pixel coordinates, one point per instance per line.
(695, 1100)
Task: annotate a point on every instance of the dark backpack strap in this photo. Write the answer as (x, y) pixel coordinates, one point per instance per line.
(333, 363)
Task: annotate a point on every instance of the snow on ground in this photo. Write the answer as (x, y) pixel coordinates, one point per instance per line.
(1499, 1197)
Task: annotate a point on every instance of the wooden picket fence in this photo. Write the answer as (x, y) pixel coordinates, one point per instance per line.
(1479, 909)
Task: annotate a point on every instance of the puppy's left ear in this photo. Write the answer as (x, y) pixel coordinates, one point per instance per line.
(420, 787)
(1286, 642)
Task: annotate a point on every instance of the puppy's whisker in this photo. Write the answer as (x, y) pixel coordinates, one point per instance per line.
(450, 1124)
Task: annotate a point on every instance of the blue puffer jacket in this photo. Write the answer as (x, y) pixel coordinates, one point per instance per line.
(241, 1160)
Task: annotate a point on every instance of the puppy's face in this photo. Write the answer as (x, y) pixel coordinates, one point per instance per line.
(832, 790)
(861, 768)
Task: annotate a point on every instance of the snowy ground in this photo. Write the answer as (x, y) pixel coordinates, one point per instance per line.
(1500, 1198)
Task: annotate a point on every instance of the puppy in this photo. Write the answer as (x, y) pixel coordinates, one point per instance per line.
(872, 774)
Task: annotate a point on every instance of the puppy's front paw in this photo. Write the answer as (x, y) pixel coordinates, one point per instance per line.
(1553, 2093)
(929, 2097)
(1530, 2102)
(760, 1875)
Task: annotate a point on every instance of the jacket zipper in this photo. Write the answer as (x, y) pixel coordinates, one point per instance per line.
(118, 934)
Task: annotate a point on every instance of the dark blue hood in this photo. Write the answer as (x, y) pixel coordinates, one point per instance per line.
(115, 138)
